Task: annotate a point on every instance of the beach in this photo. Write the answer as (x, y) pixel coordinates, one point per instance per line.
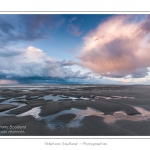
(75, 110)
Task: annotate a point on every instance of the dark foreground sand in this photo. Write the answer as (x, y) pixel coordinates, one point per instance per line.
(75, 110)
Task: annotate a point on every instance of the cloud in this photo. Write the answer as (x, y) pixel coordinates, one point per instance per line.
(118, 47)
(8, 82)
(74, 30)
(34, 63)
(7, 52)
(14, 28)
(68, 63)
(140, 73)
(72, 19)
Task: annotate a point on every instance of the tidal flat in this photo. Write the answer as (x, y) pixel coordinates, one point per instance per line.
(75, 110)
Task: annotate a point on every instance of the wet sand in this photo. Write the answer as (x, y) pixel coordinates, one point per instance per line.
(75, 110)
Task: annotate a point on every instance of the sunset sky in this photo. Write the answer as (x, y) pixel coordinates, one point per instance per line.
(75, 48)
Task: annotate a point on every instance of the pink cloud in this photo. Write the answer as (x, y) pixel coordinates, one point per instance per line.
(8, 82)
(118, 47)
(74, 30)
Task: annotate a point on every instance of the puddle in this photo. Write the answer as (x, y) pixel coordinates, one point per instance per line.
(143, 111)
(2, 97)
(76, 98)
(54, 98)
(76, 122)
(120, 115)
(25, 90)
(84, 98)
(113, 118)
(97, 97)
(113, 97)
(73, 98)
(24, 96)
(62, 97)
(12, 101)
(119, 97)
(33, 96)
(33, 112)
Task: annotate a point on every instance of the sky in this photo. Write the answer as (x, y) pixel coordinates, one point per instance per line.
(75, 48)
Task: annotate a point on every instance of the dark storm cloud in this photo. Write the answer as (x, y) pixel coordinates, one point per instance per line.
(38, 80)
